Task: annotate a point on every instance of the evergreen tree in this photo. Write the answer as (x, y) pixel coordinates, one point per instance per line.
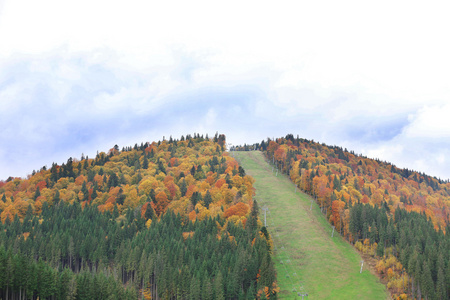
(441, 287)
(183, 188)
(85, 191)
(54, 173)
(194, 293)
(427, 281)
(252, 222)
(56, 197)
(94, 192)
(241, 171)
(69, 168)
(149, 213)
(195, 198)
(207, 289)
(113, 180)
(145, 163)
(115, 212)
(36, 194)
(218, 287)
(207, 199)
(337, 183)
(152, 195)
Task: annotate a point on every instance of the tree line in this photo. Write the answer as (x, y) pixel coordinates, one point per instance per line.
(75, 253)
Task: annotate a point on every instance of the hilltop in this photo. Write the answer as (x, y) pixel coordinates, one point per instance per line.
(167, 219)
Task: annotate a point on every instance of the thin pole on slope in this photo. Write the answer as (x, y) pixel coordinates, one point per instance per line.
(265, 209)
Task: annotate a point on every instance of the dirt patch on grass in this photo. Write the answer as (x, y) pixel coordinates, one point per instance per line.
(298, 255)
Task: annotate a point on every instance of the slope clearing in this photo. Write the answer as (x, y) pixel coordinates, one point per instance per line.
(307, 259)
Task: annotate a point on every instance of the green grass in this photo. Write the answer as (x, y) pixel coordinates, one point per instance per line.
(306, 255)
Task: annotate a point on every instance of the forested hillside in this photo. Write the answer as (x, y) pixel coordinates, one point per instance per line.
(173, 219)
(400, 217)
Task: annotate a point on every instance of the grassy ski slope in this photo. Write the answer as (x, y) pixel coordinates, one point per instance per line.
(307, 258)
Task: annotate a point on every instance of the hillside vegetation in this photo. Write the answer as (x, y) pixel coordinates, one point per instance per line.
(400, 217)
(173, 219)
(308, 260)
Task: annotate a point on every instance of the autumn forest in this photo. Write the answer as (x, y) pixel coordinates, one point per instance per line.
(177, 219)
(173, 219)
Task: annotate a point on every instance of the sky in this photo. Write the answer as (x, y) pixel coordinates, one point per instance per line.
(82, 76)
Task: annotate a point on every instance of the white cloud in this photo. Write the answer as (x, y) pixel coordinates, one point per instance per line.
(430, 122)
(343, 72)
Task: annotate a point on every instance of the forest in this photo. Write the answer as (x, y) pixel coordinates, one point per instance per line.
(397, 216)
(173, 219)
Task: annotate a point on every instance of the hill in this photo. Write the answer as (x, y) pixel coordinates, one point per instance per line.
(398, 216)
(171, 219)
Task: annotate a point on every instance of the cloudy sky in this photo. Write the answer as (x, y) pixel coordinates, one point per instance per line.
(81, 76)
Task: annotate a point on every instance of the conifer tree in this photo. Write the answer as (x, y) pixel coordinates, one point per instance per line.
(183, 188)
(152, 195)
(85, 191)
(56, 197)
(427, 281)
(218, 287)
(145, 162)
(441, 287)
(207, 199)
(37, 193)
(149, 213)
(194, 293)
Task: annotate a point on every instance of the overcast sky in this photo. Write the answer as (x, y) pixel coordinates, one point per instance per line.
(81, 76)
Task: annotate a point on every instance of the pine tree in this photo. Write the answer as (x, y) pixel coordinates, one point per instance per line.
(194, 293)
(195, 198)
(183, 188)
(337, 183)
(241, 171)
(207, 289)
(145, 163)
(427, 281)
(152, 195)
(149, 212)
(94, 192)
(113, 180)
(218, 287)
(441, 287)
(36, 194)
(54, 173)
(56, 197)
(207, 199)
(85, 191)
(69, 168)
(252, 222)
